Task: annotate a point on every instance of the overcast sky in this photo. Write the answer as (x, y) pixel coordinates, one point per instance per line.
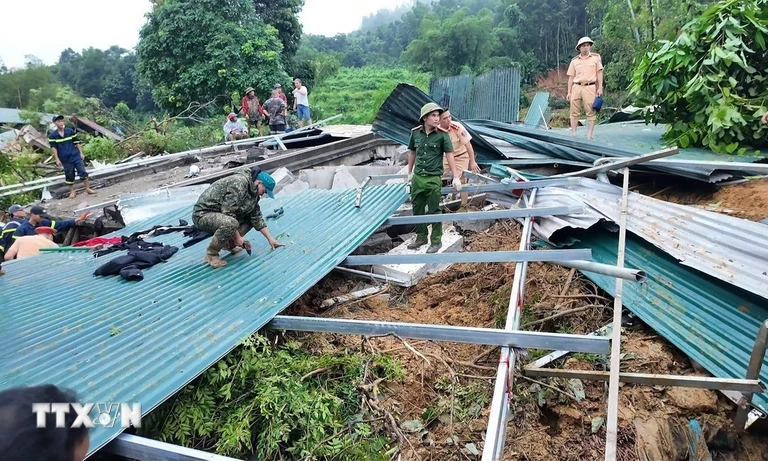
(45, 28)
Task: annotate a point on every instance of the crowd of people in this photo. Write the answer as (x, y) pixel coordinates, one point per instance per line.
(273, 112)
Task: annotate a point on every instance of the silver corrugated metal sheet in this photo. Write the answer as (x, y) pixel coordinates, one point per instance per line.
(731, 249)
(117, 341)
(494, 95)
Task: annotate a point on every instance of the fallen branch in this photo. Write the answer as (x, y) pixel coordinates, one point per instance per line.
(563, 314)
(579, 297)
(570, 396)
(313, 373)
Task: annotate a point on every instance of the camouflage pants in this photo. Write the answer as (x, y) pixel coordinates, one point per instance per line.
(222, 227)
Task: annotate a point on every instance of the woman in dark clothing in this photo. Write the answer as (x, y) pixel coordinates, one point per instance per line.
(22, 440)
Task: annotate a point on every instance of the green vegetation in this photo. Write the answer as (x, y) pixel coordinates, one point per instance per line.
(358, 93)
(267, 402)
(709, 84)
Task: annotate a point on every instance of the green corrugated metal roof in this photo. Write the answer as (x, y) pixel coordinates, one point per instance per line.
(712, 322)
(184, 316)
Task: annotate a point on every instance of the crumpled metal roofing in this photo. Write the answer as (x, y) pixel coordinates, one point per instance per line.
(400, 113)
(618, 140)
(731, 249)
(712, 322)
(117, 341)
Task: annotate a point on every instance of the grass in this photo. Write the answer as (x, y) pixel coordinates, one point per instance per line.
(359, 92)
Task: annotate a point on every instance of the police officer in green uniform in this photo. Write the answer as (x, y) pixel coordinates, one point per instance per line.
(426, 148)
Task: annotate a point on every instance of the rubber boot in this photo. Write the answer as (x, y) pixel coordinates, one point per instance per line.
(212, 254)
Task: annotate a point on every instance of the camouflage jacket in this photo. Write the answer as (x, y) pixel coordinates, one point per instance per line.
(236, 196)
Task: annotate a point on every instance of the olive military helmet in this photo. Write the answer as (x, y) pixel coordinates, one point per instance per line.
(429, 107)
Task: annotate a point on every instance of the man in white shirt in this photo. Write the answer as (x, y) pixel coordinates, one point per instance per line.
(301, 102)
(234, 128)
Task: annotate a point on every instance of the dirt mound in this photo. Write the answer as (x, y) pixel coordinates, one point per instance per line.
(555, 81)
(445, 392)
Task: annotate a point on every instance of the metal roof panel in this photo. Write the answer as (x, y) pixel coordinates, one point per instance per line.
(60, 321)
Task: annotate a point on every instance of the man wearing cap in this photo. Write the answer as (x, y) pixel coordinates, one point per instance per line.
(463, 153)
(229, 208)
(585, 83)
(17, 217)
(30, 245)
(280, 93)
(69, 155)
(252, 110)
(234, 128)
(37, 219)
(426, 148)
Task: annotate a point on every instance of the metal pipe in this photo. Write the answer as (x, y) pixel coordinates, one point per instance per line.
(447, 333)
(469, 257)
(621, 163)
(635, 275)
(143, 449)
(648, 379)
(612, 421)
(510, 186)
(484, 215)
(360, 192)
(386, 177)
(753, 372)
(505, 373)
(372, 276)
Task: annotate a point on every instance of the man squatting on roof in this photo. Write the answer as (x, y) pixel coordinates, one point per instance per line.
(229, 208)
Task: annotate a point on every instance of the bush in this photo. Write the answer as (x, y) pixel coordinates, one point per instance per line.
(710, 85)
(264, 402)
(103, 150)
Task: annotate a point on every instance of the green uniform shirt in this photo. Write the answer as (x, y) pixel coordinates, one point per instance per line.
(429, 149)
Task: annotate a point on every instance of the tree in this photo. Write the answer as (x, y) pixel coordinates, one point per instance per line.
(710, 84)
(198, 50)
(283, 16)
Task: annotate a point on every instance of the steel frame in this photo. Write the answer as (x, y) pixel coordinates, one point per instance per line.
(510, 337)
(447, 333)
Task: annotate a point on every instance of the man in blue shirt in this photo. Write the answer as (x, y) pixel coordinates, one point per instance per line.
(37, 219)
(68, 155)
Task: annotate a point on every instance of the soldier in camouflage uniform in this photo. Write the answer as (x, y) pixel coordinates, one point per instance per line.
(229, 208)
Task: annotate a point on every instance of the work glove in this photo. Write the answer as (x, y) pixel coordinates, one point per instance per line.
(457, 184)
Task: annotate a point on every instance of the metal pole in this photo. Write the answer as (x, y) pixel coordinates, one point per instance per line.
(468, 257)
(753, 372)
(497, 419)
(634, 275)
(512, 185)
(360, 191)
(447, 333)
(612, 423)
(649, 379)
(485, 215)
(622, 163)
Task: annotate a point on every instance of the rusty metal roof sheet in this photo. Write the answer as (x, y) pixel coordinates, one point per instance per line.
(117, 341)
